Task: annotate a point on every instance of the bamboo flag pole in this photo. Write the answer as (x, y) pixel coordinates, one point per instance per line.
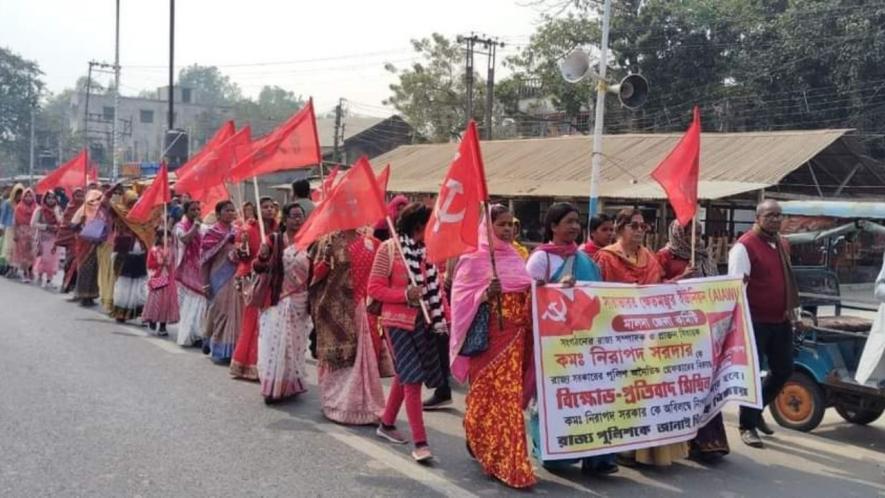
(165, 230)
(399, 249)
(491, 239)
(258, 209)
(693, 240)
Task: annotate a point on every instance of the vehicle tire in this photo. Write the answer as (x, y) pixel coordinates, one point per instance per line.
(800, 405)
(858, 416)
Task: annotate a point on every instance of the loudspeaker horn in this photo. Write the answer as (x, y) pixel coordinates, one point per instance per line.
(632, 91)
(576, 66)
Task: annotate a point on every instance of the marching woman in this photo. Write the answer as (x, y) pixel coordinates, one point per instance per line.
(284, 326)
(131, 243)
(91, 213)
(560, 261)
(627, 261)
(161, 307)
(188, 277)
(414, 348)
(67, 239)
(245, 356)
(7, 227)
(46, 222)
(23, 236)
(219, 261)
(711, 442)
(501, 372)
(347, 366)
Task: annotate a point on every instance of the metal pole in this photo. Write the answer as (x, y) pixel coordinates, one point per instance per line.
(171, 118)
(469, 75)
(600, 111)
(86, 125)
(115, 144)
(490, 88)
(32, 100)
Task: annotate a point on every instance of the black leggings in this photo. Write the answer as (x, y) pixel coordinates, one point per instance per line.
(774, 341)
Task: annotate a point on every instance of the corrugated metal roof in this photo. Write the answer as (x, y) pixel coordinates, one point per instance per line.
(353, 125)
(731, 163)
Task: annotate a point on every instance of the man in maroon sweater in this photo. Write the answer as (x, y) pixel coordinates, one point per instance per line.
(762, 258)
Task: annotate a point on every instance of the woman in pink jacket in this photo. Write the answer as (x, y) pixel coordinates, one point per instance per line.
(409, 333)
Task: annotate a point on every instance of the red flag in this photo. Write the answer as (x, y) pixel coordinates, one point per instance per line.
(383, 179)
(293, 145)
(453, 228)
(354, 202)
(155, 195)
(214, 167)
(678, 172)
(69, 175)
(210, 197)
(321, 193)
(226, 131)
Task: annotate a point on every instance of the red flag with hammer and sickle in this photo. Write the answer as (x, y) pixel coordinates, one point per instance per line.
(453, 228)
(355, 201)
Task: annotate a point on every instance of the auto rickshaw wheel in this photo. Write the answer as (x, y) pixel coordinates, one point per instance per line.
(857, 415)
(800, 405)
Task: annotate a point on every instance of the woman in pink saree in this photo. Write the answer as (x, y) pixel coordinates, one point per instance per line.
(501, 377)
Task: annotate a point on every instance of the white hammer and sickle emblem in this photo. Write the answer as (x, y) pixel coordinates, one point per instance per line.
(555, 311)
(454, 188)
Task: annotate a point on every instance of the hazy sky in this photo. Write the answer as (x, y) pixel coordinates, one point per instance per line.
(326, 48)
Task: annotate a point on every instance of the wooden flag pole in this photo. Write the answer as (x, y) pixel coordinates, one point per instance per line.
(165, 230)
(258, 209)
(693, 240)
(399, 249)
(491, 239)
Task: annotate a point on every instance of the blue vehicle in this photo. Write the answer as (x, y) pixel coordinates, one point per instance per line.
(826, 355)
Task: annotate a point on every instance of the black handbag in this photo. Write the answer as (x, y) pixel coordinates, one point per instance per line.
(477, 340)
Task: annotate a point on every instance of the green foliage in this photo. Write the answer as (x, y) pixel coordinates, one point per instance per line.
(210, 85)
(20, 88)
(749, 64)
(431, 94)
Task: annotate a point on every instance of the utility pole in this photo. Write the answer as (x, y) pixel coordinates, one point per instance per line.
(86, 115)
(490, 44)
(171, 63)
(596, 162)
(469, 41)
(33, 101)
(115, 168)
(339, 135)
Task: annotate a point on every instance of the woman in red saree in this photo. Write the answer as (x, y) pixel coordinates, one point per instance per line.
(627, 261)
(23, 236)
(711, 443)
(501, 377)
(66, 239)
(244, 364)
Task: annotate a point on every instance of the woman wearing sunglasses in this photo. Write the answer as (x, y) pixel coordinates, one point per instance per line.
(627, 261)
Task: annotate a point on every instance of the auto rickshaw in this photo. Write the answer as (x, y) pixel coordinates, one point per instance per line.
(827, 353)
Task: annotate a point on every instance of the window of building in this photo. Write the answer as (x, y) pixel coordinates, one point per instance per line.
(186, 95)
(107, 113)
(146, 116)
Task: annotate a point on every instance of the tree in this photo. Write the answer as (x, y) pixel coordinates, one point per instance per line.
(211, 86)
(273, 106)
(431, 94)
(20, 87)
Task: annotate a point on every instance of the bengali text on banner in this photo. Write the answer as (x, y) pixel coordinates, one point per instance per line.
(626, 367)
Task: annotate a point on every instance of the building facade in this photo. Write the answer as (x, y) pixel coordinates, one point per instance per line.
(142, 123)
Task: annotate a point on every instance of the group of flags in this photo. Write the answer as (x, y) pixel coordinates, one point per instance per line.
(356, 197)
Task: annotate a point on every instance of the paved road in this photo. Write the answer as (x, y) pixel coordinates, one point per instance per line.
(92, 408)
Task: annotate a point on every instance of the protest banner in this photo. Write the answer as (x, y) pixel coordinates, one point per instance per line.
(624, 367)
